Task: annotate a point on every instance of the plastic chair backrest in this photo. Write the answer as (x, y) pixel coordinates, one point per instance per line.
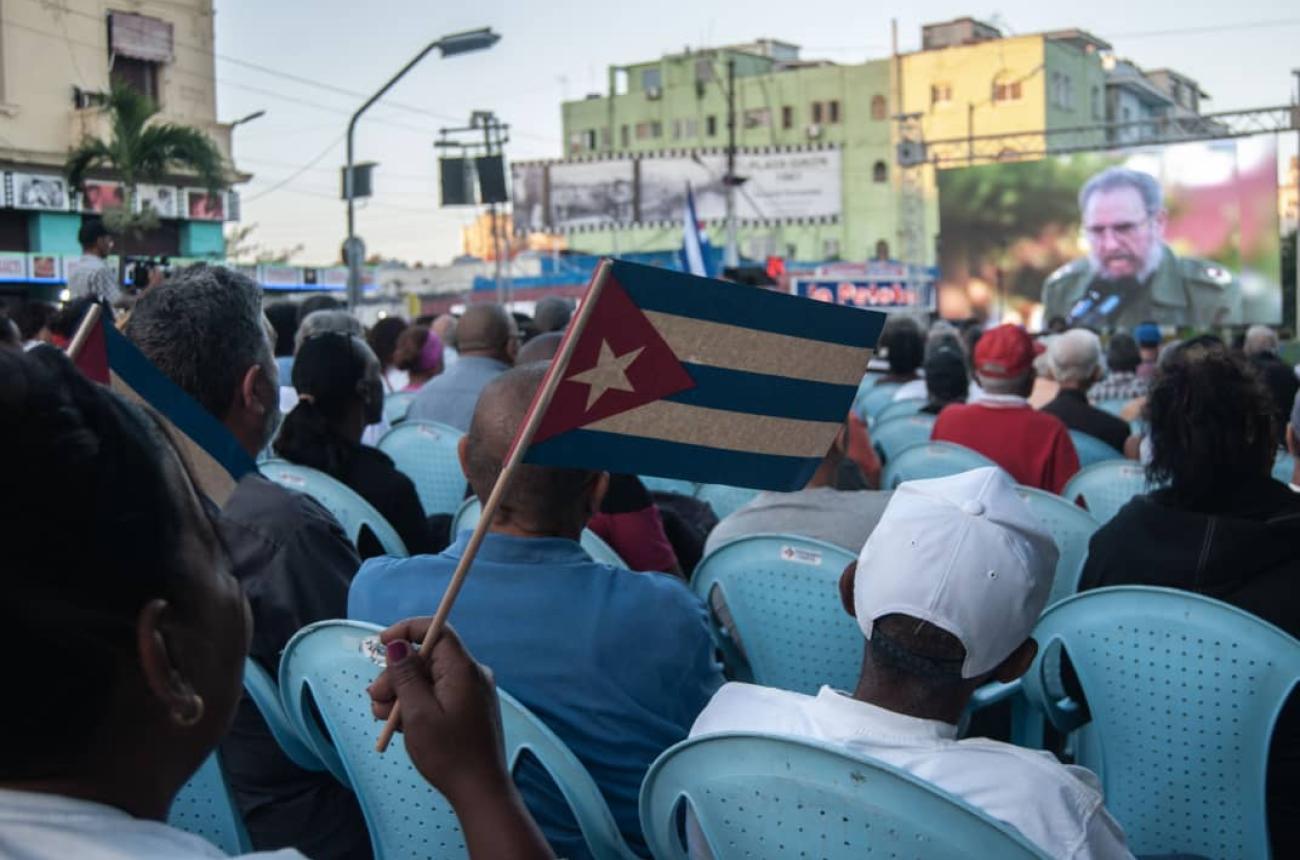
(1283, 467)
(206, 807)
(425, 452)
(1106, 487)
(897, 408)
(262, 689)
(467, 518)
(931, 460)
(764, 796)
(724, 500)
(1071, 527)
(782, 592)
(1114, 407)
(876, 399)
(892, 435)
(1184, 692)
(339, 499)
(396, 406)
(524, 732)
(670, 485)
(1092, 450)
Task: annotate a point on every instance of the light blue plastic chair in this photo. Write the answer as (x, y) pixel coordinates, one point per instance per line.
(206, 807)
(1071, 527)
(425, 452)
(898, 408)
(1283, 467)
(782, 593)
(1184, 693)
(1106, 487)
(325, 670)
(471, 509)
(1092, 450)
(892, 435)
(763, 796)
(1114, 407)
(724, 500)
(670, 485)
(873, 401)
(396, 406)
(262, 689)
(931, 460)
(339, 499)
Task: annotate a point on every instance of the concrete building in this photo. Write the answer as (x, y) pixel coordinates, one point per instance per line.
(56, 61)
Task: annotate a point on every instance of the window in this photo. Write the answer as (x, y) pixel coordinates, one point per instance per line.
(649, 130)
(758, 118)
(651, 79)
(1096, 102)
(879, 172)
(1062, 94)
(1006, 91)
(833, 111)
(817, 112)
(710, 126)
(575, 142)
(138, 46)
(787, 117)
(703, 71)
(604, 138)
(831, 249)
(690, 128)
(879, 108)
(677, 129)
(940, 94)
(622, 137)
(589, 138)
(138, 75)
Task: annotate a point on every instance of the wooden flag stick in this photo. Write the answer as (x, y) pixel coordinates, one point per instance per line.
(88, 323)
(524, 438)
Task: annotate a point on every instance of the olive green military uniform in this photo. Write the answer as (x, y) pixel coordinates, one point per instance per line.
(1181, 291)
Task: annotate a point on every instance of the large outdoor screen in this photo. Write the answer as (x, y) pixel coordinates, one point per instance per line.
(1184, 235)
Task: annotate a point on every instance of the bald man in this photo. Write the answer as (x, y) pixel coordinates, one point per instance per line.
(488, 341)
(617, 664)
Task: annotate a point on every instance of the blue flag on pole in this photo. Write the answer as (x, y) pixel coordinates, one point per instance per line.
(695, 253)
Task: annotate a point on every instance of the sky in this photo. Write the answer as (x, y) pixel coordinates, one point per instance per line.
(310, 63)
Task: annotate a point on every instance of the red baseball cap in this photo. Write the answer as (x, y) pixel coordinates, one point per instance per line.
(1004, 352)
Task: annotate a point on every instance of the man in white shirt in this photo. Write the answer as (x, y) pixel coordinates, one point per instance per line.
(90, 274)
(946, 591)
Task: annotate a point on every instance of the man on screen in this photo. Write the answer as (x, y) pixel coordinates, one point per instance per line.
(1130, 275)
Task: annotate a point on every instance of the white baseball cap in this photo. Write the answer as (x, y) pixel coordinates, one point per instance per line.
(965, 554)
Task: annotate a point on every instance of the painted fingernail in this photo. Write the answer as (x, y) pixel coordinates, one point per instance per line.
(397, 651)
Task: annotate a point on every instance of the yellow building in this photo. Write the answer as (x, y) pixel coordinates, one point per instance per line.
(476, 240)
(56, 61)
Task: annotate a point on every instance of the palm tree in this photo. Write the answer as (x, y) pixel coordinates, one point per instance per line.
(142, 150)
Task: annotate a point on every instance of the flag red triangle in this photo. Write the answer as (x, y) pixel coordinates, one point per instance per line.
(93, 358)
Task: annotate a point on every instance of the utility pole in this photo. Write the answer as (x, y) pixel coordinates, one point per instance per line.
(731, 257)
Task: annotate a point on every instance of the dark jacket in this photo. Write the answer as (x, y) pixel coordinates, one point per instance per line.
(373, 476)
(1246, 552)
(1073, 409)
(295, 565)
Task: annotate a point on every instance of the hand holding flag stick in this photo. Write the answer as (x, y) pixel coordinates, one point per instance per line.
(523, 438)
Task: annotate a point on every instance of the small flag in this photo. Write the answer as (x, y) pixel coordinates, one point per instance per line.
(696, 258)
(215, 458)
(685, 377)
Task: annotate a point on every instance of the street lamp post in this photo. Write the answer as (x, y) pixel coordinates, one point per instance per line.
(456, 43)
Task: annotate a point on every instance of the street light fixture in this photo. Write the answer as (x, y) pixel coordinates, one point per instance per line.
(252, 116)
(448, 46)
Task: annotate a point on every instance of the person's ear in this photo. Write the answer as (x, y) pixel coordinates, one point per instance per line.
(1017, 663)
(252, 379)
(1159, 220)
(847, 578)
(160, 666)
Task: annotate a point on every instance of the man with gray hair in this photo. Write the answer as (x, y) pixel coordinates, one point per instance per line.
(1130, 275)
(1074, 359)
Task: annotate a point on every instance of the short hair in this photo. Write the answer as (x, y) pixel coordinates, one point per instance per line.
(410, 348)
(1122, 355)
(1211, 424)
(904, 344)
(1259, 339)
(915, 651)
(284, 319)
(383, 338)
(202, 328)
(1074, 355)
(319, 322)
(1012, 385)
(311, 304)
(92, 229)
(1112, 178)
(947, 379)
(32, 317)
(552, 313)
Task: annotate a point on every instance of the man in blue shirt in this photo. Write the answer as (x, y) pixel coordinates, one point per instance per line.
(487, 340)
(617, 664)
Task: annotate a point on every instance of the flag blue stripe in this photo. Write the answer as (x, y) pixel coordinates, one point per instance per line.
(175, 405)
(670, 292)
(633, 454)
(763, 394)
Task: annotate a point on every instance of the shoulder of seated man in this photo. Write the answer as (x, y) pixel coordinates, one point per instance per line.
(276, 510)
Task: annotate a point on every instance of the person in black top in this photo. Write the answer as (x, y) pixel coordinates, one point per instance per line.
(947, 379)
(340, 391)
(1075, 361)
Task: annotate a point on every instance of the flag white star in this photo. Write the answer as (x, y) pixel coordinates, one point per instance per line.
(609, 372)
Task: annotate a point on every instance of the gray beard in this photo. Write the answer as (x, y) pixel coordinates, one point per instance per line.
(1141, 275)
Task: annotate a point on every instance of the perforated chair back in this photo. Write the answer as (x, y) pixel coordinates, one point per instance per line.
(892, 435)
(670, 485)
(262, 689)
(725, 501)
(396, 406)
(1283, 467)
(898, 408)
(1071, 527)
(339, 499)
(1184, 693)
(1106, 487)
(783, 595)
(467, 518)
(931, 460)
(871, 402)
(425, 451)
(764, 796)
(206, 807)
(1092, 450)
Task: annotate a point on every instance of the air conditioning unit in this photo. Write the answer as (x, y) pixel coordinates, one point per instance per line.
(814, 131)
(654, 93)
(910, 153)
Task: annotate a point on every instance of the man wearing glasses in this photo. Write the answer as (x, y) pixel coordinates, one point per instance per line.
(1130, 275)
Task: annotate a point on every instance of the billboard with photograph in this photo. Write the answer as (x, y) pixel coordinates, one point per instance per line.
(780, 186)
(202, 206)
(164, 200)
(98, 195)
(1184, 235)
(528, 192)
(38, 191)
(591, 194)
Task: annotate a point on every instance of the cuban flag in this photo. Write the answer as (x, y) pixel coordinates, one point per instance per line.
(696, 258)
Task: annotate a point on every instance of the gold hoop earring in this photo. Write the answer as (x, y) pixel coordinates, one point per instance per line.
(191, 714)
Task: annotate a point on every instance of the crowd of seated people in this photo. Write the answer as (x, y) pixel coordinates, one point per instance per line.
(619, 662)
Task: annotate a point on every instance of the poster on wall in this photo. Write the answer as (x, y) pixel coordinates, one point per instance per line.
(13, 266)
(202, 206)
(39, 191)
(591, 194)
(164, 200)
(98, 195)
(45, 268)
(528, 184)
